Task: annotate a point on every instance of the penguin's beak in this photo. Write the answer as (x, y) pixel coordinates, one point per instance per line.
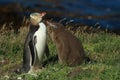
(42, 14)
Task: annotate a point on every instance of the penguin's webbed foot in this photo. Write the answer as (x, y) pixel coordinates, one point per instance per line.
(21, 70)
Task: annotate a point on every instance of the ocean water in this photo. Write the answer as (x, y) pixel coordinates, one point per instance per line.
(106, 13)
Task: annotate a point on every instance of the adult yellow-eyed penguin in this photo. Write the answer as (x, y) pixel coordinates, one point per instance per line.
(35, 44)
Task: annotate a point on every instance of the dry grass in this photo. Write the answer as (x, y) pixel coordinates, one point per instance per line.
(103, 48)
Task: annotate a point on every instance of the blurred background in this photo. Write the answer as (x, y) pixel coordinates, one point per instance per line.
(105, 13)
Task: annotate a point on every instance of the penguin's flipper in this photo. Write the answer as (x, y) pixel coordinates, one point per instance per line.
(35, 40)
(33, 50)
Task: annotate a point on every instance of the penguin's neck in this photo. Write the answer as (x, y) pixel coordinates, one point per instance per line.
(42, 26)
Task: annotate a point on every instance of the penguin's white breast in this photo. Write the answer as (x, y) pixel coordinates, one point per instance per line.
(40, 41)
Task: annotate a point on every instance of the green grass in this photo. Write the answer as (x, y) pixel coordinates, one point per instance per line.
(103, 49)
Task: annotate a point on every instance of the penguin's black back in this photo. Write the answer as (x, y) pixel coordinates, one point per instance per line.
(28, 46)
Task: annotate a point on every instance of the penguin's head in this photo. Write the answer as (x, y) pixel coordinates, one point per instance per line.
(35, 18)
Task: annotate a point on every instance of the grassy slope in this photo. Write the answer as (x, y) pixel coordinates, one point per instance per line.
(103, 49)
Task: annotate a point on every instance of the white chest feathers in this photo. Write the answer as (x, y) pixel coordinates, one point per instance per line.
(39, 39)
